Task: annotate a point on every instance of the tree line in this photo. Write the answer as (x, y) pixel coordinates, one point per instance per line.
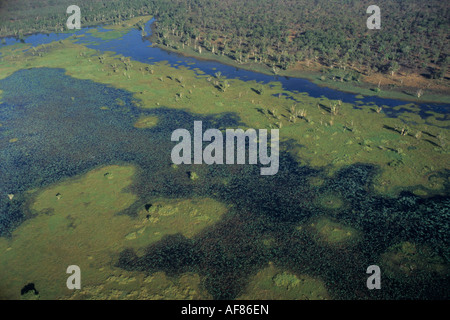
(276, 33)
(280, 33)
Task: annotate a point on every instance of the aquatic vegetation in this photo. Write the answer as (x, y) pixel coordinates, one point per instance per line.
(193, 175)
(316, 181)
(186, 217)
(336, 205)
(331, 201)
(333, 233)
(111, 32)
(203, 101)
(413, 262)
(146, 122)
(65, 229)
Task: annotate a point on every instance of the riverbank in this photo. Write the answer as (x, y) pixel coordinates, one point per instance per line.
(378, 84)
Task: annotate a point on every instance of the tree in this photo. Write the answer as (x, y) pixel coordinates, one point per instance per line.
(393, 67)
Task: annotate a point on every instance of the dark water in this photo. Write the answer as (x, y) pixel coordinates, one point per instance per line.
(63, 132)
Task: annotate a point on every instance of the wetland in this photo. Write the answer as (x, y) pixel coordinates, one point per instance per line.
(86, 178)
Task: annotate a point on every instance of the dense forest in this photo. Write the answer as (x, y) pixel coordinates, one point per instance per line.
(278, 33)
(21, 17)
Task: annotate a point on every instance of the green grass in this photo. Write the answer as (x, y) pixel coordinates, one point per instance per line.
(330, 232)
(271, 283)
(76, 222)
(118, 31)
(65, 227)
(331, 140)
(107, 35)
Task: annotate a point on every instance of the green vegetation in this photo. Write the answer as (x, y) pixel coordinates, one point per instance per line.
(146, 122)
(331, 201)
(408, 260)
(76, 222)
(333, 233)
(331, 132)
(325, 41)
(135, 286)
(23, 17)
(411, 152)
(303, 38)
(116, 31)
(193, 175)
(271, 283)
(282, 33)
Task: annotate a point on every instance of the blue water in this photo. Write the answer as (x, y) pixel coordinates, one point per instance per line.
(140, 49)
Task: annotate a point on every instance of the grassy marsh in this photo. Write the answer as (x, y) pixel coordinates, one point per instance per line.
(410, 151)
(331, 134)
